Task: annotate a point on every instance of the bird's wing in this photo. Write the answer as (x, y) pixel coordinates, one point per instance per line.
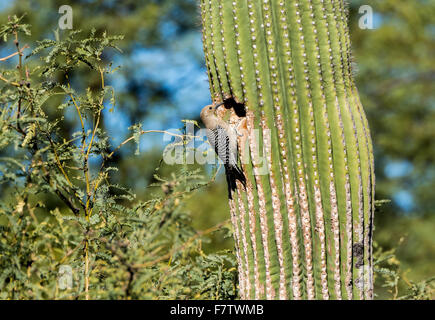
(219, 139)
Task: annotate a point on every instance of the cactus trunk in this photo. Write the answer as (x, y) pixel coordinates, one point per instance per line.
(303, 226)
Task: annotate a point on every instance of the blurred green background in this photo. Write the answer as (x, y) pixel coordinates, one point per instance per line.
(163, 80)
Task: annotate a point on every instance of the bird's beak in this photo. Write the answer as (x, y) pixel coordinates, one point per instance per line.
(218, 105)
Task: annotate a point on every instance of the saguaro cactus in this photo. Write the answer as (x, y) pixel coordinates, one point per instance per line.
(302, 228)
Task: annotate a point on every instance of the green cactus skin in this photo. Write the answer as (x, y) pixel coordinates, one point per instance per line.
(304, 229)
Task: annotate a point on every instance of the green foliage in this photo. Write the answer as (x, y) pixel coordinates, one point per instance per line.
(389, 275)
(14, 26)
(61, 210)
(67, 54)
(391, 278)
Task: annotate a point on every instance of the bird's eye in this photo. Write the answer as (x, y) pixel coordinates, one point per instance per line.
(210, 108)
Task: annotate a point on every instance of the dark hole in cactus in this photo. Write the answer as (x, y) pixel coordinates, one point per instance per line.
(239, 108)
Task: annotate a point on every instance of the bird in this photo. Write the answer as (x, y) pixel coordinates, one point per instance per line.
(223, 138)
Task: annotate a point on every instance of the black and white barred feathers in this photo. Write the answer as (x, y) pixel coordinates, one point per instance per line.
(223, 137)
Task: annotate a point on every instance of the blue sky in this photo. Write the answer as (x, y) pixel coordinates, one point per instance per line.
(4, 4)
(175, 68)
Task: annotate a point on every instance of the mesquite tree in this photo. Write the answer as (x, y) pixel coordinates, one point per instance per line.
(68, 230)
(302, 227)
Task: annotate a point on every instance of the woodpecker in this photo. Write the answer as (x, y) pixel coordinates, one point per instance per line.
(223, 137)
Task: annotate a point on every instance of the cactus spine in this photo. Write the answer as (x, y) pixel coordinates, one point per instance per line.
(303, 230)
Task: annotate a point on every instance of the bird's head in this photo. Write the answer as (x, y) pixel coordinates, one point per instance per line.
(208, 112)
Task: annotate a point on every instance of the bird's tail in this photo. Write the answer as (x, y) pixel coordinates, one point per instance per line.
(234, 173)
